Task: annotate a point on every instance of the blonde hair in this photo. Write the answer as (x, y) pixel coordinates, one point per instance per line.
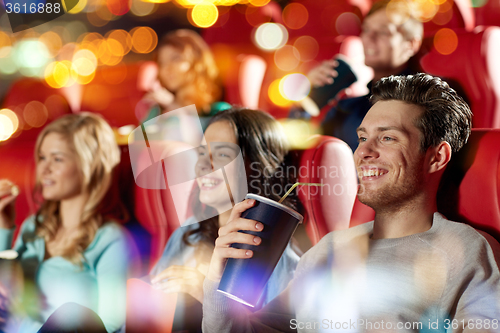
(93, 142)
(204, 87)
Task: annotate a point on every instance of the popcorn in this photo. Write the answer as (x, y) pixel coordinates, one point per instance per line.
(14, 190)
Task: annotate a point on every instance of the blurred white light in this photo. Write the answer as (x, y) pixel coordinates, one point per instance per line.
(270, 36)
(295, 87)
(31, 53)
(126, 130)
(6, 127)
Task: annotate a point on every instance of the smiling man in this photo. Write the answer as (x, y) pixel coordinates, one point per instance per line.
(391, 36)
(408, 270)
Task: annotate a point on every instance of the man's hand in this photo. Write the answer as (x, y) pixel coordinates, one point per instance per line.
(180, 279)
(323, 74)
(8, 195)
(228, 235)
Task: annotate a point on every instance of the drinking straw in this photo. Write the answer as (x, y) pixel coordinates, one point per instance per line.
(294, 186)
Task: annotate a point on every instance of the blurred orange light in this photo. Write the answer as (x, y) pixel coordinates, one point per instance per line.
(424, 10)
(35, 114)
(205, 14)
(52, 41)
(295, 15)
(143, 8)
(275, 95)
(259, 3)
(308, 48)
(5, 44)
(118, 7)
(287, 58)
(144, 39)
(445, 41)
(443, 17)
(122, 37)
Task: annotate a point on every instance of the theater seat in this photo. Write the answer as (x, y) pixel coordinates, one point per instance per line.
(470, 188)
(479, 78)
(329, 161)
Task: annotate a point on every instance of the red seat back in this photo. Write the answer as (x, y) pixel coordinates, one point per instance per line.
(470, 188)
(329, 161)
(479, 78)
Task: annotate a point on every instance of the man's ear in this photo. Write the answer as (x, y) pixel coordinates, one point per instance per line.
(413, 46)
(439, 157)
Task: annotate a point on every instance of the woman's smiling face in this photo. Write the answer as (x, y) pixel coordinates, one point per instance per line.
(220, 150)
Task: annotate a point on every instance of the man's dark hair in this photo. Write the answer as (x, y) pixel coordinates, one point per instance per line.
(445, 117)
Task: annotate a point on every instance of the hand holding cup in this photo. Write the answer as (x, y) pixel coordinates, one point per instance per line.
(228, 235)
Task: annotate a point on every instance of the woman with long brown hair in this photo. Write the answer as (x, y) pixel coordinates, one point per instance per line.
(263, 147)
(72, 250)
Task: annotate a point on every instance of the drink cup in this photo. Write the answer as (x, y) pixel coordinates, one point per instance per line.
(345, 77)
(244, 279)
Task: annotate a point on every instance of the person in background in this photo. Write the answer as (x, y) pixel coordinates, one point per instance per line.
(390, 37)
(74, 254)
(186, 74)
(185, 260)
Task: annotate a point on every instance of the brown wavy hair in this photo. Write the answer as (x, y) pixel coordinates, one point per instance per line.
(264, 148)
(204, 87)
(93, 142)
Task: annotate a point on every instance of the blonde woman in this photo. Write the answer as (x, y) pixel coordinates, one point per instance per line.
(187, 73)
(71, 249)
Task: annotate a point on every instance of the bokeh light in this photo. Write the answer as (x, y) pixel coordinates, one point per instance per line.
(295, 87)
(275, 95)
(445, 41)
(308, 48)
(58, 74)
(5, 44)
(144, 39)
(9, 123)
(52, 42)
(348, 24)
(142, 8)
(78, 8)
(287, 58)
(118, 7)
(204, 14)
(259, 3)
(444, 14)
(299, 133)
(35, 114)
(257, 16)
(31, 53)
(6, 127)
(270, 36)
(295, 15)
(424, 10)
(8, 66)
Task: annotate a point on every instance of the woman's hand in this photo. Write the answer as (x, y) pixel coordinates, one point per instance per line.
(160, 95)
(8, 195)
(228, 235)
(180, 279)
(323, 74)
